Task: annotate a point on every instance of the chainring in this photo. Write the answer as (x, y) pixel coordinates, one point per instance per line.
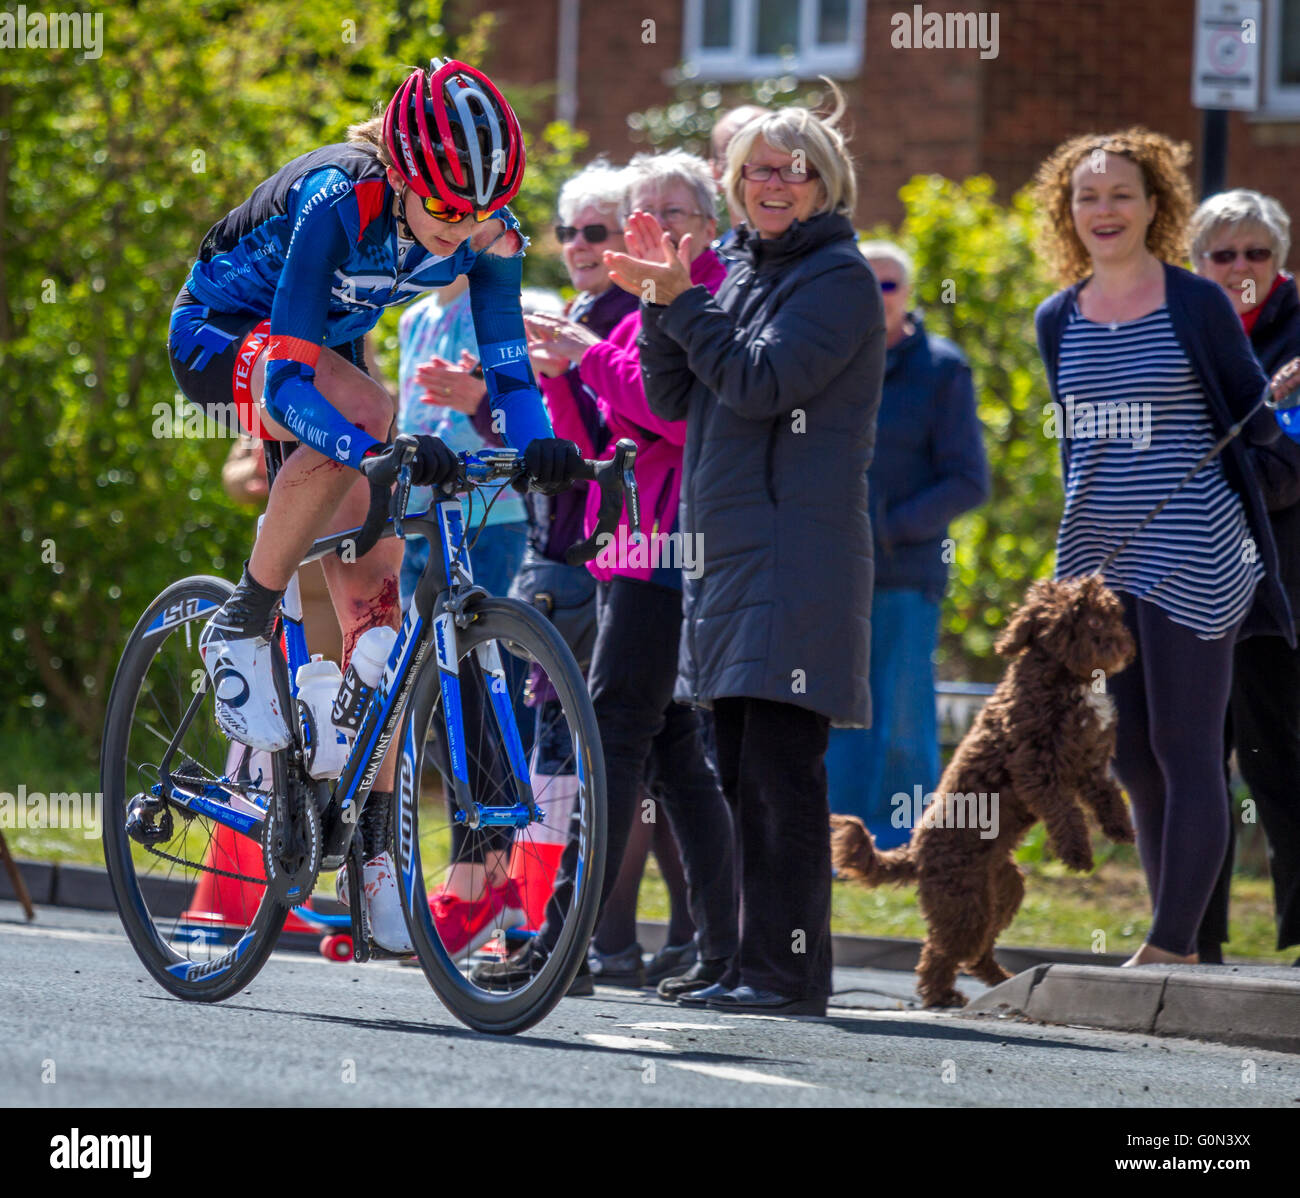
(291, 848)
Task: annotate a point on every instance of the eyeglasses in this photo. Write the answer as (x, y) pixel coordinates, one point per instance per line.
(592, 234)
(888, 285)
(673, 215)
(1256, 253)
(789, 174)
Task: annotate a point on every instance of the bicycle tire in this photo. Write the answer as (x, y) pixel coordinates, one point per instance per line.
(196, 980)
(531, 634)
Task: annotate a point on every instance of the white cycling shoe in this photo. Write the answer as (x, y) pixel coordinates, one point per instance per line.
(383, 903)
(248, 708)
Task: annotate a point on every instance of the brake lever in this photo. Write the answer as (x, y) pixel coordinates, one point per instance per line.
(397, 506)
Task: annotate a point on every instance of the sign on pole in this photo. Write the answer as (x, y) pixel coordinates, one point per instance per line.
(1225, 71)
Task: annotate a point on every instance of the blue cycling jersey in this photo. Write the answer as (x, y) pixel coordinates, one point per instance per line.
(316, 249)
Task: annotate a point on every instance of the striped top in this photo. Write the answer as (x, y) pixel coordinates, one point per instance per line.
(1138, 421)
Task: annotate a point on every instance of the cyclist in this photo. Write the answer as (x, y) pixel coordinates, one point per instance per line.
(276, 307)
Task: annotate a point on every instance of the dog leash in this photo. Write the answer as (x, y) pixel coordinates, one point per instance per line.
(1268, 399)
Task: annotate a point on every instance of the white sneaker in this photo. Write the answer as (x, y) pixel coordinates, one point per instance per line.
(248, 708)
(383, 902)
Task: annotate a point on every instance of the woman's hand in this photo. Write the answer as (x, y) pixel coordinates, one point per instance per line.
(654, 268)
(553, 336)
(452, 386)
(1284, 383)
(547, 364)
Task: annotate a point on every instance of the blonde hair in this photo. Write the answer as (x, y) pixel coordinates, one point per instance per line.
(791, 130)
(371, 133)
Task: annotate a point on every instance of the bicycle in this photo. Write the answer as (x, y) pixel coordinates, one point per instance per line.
(254, 847)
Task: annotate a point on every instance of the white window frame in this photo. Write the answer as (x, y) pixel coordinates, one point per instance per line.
(739, 61)
(1277, 102)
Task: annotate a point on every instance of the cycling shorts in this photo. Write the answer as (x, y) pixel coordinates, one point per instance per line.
(213, 355)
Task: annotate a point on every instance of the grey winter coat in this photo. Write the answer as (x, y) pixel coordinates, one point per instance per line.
(779, 379)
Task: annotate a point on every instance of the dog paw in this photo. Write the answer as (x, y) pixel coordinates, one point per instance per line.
(944, 998)
(1120, 833)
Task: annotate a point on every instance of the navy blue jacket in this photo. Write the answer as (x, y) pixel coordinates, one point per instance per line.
(1210, 334)
(778, 380)
(930, 464)
(1275, 339)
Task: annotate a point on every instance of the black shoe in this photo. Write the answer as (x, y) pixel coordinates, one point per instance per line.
(583, 985)
(521, 967)
(747, 999)
(700, 975)
(617, 969)
(517, 969)
(700, 998)
(670, 961)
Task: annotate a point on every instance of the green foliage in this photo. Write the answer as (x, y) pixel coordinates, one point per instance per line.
(978, 282)
(111, 169)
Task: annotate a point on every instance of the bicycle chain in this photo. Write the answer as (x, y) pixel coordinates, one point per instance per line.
(211, 869)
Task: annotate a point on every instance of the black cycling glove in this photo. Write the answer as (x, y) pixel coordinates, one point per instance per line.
(552, 465)
(434, 463)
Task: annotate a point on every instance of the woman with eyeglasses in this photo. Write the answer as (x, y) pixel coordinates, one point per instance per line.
(1136, 335)
(1240, 239)
(271, 321)
(778, 380)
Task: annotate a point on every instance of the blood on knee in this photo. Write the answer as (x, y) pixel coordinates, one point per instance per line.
(378, 611)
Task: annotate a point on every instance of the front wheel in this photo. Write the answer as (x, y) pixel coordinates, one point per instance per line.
(474, 898)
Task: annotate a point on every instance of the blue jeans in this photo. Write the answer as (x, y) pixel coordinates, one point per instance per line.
(867, 767)
(495, 558)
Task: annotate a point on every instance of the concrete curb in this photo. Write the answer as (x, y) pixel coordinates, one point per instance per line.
(1256, 1006)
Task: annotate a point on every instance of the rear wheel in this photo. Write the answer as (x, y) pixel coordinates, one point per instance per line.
(475, 897)
(194, 899)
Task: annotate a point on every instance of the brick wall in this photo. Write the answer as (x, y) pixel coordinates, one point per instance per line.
(1064, 67)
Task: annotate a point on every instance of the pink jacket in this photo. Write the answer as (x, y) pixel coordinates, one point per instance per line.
(612, 370)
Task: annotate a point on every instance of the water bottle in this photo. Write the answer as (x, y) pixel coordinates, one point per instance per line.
(363, 673)
(325, 745)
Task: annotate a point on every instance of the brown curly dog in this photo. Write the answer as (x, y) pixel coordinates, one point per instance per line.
(1040, 745)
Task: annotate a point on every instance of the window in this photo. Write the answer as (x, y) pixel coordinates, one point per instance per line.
(1279, 93)
(747, 39)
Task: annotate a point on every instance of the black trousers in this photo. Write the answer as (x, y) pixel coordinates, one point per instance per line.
(1172, 703)
(772, 758)
(633, 668)
(1264, 725)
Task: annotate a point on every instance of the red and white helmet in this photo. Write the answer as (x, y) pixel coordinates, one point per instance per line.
(452, 137)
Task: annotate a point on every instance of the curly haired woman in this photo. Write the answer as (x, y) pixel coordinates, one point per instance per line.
(1162, 355)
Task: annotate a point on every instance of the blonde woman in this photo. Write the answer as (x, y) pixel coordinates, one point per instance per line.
(778, 379)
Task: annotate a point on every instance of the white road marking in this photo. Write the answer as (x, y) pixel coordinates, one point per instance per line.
(733, 1073)
(654, 1026)
(629, 1042)
(59, 933)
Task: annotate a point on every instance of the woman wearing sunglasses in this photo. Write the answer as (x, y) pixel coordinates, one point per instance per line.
(1240, 240)
(271, 321)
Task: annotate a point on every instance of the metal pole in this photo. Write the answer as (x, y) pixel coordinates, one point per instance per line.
(1214, 151)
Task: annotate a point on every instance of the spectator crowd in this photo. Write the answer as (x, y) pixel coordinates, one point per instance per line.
(793, 413)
